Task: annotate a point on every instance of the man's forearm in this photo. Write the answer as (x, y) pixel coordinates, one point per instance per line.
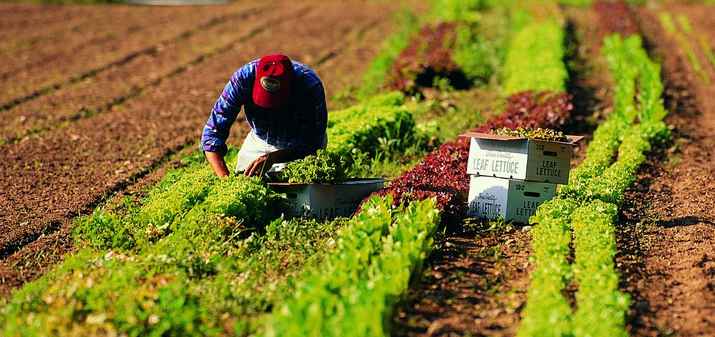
(217, 164)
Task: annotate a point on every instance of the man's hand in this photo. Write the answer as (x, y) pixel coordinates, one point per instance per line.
(217, 164)
(259, 166)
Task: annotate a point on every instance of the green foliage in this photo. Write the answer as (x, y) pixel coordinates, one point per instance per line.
(458, 10)
(576, 2)
(323, 167)
(380, 128)
(104, 230)
(352, 292)
(146, 293)
(601, 306)
(631, 68)
(612, 184)
(596, 187)
(547, 311)
(380, 124)
(608, 135)
(138, 224)
(534, 59)
(684, 42)
(480, 47)
(374, 77)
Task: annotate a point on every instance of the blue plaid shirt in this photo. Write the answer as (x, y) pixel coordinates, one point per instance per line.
(299, 125)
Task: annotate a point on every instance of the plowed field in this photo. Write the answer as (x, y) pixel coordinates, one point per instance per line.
(96, 97)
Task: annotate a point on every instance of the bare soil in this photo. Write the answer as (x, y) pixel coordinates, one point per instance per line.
(667, 230)
(102, 91)
(118, 37)
(49, 179)
(474, 285)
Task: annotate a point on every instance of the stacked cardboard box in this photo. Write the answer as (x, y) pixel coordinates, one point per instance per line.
(511, 176)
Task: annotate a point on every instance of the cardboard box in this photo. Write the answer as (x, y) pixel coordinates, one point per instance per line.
(326, 201)
(520, 158)
(513, 200)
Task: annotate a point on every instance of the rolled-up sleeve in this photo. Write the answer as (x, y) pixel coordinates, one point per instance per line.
(225, 111)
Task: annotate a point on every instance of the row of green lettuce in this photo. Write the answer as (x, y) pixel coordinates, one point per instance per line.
(539, 45)
(588, 206)
(188, 235)
(691, 42)
(208, 279)
(353, 292)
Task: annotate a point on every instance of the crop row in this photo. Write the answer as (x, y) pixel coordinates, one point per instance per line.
(169, 221)
(353, 291)
(685, 37)
(588, 206)
(537, 46)
(123, 290)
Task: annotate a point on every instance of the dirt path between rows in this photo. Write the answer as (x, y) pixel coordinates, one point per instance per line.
(475, 283)
(667, 232)
(108, 152)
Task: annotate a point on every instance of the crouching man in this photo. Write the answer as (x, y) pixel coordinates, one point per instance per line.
(284, 104)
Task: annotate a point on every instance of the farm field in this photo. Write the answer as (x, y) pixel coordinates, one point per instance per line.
(114, 224)
(73, 153)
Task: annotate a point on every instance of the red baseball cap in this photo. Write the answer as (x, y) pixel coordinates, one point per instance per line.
(274, 77)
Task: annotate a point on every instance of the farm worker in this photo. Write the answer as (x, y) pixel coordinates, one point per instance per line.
(284, 104)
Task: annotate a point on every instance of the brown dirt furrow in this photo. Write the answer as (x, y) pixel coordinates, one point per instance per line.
(98, 154)
(120, 83)
(16, 29)
(116, 23)
(18, 15)
(104, 25)
(52, 69)
(667, 230)
(474, 285)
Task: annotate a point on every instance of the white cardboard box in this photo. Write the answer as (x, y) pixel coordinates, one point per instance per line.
(520, 158)
(326, 201)
(513, 200)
